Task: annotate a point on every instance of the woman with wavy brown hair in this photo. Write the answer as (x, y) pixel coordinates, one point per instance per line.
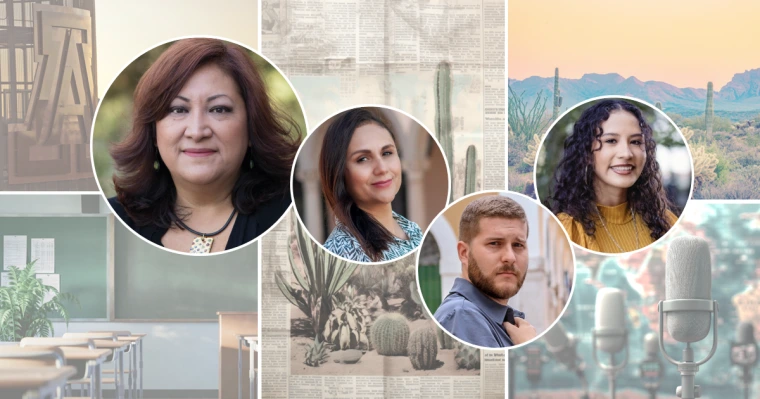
(360, 170)
(608, 191)
(206, 164)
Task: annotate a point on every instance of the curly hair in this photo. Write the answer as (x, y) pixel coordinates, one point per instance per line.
(573, 191)
(149, 196)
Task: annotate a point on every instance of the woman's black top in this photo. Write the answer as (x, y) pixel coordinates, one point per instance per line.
(246, 227)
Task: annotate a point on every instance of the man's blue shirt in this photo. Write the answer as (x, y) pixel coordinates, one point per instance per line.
(473, 317)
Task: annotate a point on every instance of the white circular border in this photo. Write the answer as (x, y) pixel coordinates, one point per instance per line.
(92, 141)
(295, 161)
(686, 144)
(505, 193)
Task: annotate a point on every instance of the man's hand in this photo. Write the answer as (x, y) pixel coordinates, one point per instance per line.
(521, 331)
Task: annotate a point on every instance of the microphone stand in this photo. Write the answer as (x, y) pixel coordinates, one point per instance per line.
(612, 369)
(688, 368)
(575, 364)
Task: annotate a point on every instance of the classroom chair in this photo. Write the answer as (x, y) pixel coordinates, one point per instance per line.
(131, 351)
(83, 377)
(117, 356)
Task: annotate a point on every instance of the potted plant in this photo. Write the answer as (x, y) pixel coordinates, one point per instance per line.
(23, 312)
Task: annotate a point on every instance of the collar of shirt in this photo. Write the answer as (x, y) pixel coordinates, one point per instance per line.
(493, 310)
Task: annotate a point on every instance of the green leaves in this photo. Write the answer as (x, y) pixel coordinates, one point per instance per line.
(22, 311)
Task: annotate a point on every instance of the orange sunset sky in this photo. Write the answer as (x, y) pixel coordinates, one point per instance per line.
(684, 43)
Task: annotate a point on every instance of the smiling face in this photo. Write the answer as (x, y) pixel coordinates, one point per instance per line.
(620, 159)
(496, 259)
(203, 138)
(373, 167)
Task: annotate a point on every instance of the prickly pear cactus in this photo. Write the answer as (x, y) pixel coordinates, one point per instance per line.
(390, 334)
(467, 357)
(423, 349)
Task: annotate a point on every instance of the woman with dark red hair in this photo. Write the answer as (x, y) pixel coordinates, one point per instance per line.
(206, 164)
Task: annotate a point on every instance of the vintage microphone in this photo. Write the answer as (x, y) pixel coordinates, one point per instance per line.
(651, 367)
(688, 306)
(534, 363)
(562, 345)
(610, 334)
(744, 353)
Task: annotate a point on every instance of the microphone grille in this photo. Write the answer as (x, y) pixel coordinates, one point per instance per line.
(688, 276)
(651, 344)
(745, 333)
(556, 337)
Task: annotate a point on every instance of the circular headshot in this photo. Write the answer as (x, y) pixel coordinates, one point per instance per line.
(617, 173)
(193, 145)
(367, 182)
(496, 269)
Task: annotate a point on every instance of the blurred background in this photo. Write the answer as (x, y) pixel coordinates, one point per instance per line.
(113, 119)
(672, 153)
(548, 283)
(732, 232)
(425, 181)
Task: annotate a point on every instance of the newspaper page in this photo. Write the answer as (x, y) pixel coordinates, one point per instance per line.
(442, 61)
(318, 341)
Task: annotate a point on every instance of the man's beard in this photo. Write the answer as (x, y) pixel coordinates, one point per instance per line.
(486, 286)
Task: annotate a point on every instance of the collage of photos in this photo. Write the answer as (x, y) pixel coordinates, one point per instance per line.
(477, 199)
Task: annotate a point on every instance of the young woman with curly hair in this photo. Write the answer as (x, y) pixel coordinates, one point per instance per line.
(608, 192)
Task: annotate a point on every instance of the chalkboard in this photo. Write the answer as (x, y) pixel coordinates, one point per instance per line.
(80, 256)
(154, 284)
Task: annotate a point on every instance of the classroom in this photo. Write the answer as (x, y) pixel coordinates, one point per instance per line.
(146, 323)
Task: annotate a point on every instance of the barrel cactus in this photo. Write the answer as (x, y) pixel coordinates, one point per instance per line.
(467, 357)
(445, 340)
(423, 349)
(390, 334)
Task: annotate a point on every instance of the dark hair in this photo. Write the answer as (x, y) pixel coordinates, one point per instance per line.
(372, 236)
(574, 193)
(149, 196)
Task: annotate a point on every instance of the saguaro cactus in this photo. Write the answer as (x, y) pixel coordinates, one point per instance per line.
(423, 349)
(443, 114)
(557, 97)
(469, 171)
(390, 334)
(709, 110)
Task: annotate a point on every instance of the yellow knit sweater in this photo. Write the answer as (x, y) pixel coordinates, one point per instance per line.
(619, 223)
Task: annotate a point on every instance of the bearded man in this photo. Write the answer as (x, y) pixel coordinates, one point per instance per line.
(493, 249)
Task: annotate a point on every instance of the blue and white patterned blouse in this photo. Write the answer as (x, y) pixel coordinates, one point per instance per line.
(342, 243)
